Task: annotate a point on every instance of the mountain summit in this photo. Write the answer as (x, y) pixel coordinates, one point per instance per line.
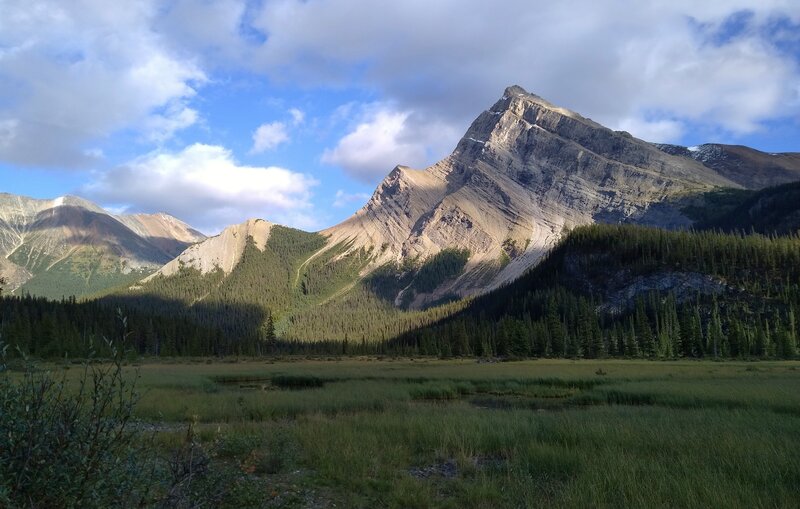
(525, 170)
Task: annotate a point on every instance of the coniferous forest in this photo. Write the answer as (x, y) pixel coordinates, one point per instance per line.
(604, 291)
(637, 292)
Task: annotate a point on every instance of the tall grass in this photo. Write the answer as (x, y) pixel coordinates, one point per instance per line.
(453, 434)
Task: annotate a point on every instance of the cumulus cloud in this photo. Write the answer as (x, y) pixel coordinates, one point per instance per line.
(663, 131)
(74, 72)
(343, 198)
(653, 66)
(209, 30)
(269, 136)
(383, 137)
(205, 186)
(375, 145)
(298, 116)
(159, 127)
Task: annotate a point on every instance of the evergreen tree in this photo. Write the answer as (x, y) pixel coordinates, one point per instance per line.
(644, 334)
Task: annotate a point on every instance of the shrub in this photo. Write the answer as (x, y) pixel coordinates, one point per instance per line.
(68, 444)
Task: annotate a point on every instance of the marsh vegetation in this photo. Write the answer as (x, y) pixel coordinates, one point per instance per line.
(434, 433)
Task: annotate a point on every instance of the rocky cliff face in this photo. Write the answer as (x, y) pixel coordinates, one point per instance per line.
(523, 172)
(66, 241)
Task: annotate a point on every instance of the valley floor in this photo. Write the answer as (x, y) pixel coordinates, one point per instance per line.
(430, 433)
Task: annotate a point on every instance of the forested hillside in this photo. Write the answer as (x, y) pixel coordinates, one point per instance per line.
(604, 291)
(286, 297)
(774, 210)
(637, 292)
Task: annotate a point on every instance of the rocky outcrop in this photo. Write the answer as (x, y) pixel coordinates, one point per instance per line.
(524, 171)
(221, 252)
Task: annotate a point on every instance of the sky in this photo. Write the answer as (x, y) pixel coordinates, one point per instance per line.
(294, 110)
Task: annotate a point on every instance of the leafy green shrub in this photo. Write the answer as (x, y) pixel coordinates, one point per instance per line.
(68, 444)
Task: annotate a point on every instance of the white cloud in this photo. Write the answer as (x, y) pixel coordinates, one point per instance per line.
(72, 73)
(8, 131)
(376, 144)
(298, 116)
(662, 131)
(205, 186)
(208, 29)
(268, 137)
(75, 72)
(343, 198)
(162, 127)
(649, 65)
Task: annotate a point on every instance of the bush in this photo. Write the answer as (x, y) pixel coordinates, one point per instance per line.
(68, 444)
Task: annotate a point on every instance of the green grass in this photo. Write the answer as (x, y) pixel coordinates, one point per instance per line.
(429, 433)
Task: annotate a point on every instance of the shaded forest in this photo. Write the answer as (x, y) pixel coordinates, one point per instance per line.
(632, 291)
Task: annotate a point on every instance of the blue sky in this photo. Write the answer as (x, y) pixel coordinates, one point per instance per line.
(294, 110)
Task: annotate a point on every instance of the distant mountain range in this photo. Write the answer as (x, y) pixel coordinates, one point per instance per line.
(70, 246)
(525, 172)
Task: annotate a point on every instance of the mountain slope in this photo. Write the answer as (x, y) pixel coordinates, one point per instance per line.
(167, 233)
(769, 211)
(69, 246)
(223, 251)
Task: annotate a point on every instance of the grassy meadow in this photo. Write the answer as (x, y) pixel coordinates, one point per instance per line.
(431, 433)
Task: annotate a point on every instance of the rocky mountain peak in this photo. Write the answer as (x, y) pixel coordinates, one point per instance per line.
(524, 170)
(221, 252)
(167, 232)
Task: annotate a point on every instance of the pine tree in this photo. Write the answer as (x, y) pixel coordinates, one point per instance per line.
(631, 344)
(644, 334)
(716, 338)
(556, 330)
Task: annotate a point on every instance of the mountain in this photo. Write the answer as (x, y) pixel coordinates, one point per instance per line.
(750, 168)
(604, 290)
(167, 233)
(70, 246)
(525, 172)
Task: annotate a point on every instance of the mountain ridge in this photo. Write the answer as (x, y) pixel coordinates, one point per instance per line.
(69, 245)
